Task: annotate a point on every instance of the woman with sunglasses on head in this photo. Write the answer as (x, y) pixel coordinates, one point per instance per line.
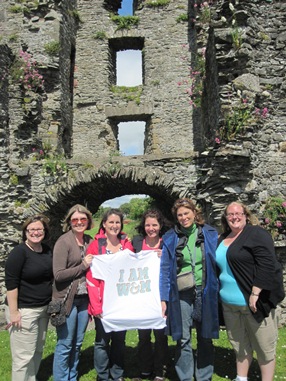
(28, 278)
(189, 290)
(109, 347)
(251, 286)
(70, 264)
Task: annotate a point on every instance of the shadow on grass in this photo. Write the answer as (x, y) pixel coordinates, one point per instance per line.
(46, 368)
(224, 366)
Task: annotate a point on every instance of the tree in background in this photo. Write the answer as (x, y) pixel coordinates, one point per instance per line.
(136, 207)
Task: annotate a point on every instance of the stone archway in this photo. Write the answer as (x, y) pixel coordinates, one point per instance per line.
(92, 187)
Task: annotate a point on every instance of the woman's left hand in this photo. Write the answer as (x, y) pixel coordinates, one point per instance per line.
(88, 259)
(252, 302)
(159, 252)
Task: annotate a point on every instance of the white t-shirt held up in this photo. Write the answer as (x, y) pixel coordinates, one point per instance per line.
(131, 297)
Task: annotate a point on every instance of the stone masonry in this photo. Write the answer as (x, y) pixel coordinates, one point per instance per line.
(59, 143)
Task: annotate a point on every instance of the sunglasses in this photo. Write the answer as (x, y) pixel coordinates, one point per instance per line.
(75, 221)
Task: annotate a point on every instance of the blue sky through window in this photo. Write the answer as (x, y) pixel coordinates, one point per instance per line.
(126, 8)
(131, 134)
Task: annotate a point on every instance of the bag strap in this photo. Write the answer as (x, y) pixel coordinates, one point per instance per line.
(68, 291)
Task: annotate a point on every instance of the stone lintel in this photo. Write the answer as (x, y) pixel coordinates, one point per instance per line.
(131, 112)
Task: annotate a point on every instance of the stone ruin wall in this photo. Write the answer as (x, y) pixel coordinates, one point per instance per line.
(77, 114)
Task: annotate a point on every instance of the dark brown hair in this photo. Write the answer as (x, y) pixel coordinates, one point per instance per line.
(153, 213)
(188, 203)
(37, 217)
(107, 214)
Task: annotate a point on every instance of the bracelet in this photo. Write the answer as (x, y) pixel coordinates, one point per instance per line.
(252, 293)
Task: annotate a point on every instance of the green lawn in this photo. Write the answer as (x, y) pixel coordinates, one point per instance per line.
(224, 363)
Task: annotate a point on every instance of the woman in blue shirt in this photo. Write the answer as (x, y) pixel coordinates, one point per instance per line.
(251, 286)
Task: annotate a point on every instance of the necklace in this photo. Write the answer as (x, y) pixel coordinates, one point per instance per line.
(40, 249)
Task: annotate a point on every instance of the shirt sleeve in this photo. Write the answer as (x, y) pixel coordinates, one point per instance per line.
(13, 268)
(264, 257)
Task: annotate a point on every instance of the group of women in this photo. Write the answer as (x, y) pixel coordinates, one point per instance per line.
(198, 272)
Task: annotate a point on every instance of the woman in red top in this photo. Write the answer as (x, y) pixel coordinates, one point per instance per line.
(108, 347)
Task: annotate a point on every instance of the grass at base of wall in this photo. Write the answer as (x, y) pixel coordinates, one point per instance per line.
(224, 358)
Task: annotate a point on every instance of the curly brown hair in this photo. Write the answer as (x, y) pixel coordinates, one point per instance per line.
(153, 213)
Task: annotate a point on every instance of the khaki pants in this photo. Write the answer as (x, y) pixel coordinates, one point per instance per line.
(28, 342)
(246, 335)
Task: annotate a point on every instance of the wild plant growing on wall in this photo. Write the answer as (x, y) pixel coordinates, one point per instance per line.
(194, 82)
(24, 71)
(274, 217)
(53, 164)
(238, 118)
(236, 33)
(204, 15)
(125, 22)
(156, 3)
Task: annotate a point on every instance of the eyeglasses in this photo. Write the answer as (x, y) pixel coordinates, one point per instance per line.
(238, 214)
(75, 221)
(32, 231)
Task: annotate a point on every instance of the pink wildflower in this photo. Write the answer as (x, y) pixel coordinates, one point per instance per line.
(264, 112)
(284, 204)
(217, 140)
(278, 224)
(257, 111)
(267, 220)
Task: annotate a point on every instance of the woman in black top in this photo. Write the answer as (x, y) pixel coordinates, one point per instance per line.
(28, 279)
(251, 286)
(151, 229)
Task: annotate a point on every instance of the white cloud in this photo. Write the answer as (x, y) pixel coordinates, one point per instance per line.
(129, 68)
(131, 138)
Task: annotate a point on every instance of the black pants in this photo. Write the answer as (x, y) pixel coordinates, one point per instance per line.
(153, 359)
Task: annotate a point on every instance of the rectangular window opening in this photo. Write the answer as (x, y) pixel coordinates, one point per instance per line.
(126, 8)
(129, 68)
(131, 136)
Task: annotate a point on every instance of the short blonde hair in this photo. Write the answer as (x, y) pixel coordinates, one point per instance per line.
(77, 208)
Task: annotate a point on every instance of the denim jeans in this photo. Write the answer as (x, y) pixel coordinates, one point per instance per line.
(69, 340)
(108, 357)
(188, 364)
(153, 360)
